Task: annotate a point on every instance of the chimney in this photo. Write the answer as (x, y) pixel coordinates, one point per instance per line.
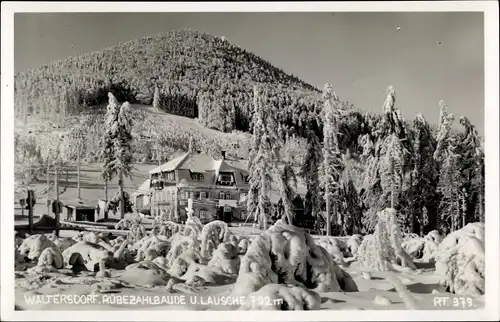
(223, 155)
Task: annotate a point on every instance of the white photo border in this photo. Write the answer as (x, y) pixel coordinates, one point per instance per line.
(491, 310)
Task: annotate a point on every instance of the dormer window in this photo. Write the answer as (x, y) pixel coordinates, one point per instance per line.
(196, 176)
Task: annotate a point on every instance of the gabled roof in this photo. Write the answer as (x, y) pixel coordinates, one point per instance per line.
(170, 165)
(199, 162)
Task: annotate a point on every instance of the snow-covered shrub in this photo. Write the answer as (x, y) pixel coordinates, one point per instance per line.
(460, 262)
(353, 243)
(91, 254)
(33, 246)
(288, 298)
(383, 248)
(167, 229)
(243, 245)
(181, 263)
(215, 232)
(225, 258)
(421, 248)
(64, 243)
(51, 256)
(145, 273)
(158, 243)
(434, 236)
(332, 246)
(180, 243)
(286, 254)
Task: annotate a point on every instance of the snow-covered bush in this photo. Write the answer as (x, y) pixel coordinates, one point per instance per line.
(158, 243)
(383, 248)
(167, 229)
(214, 233)
(332, 246)
(180, 243)
(52, 257)
(282, 298)
(91, 254)
(33, 246)
(460, 260)
(423, 248)
(288, 255)
(353, 243)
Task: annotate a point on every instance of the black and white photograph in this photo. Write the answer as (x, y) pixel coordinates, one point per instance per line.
(214, 159)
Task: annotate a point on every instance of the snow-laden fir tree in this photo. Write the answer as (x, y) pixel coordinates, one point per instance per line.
(449, 187)
(263, 161)
(107, 143)
(391, 169)
(424, 173)
(310, 173)
(445, 122)
(331, 165)
(117, 145)
(472, 168)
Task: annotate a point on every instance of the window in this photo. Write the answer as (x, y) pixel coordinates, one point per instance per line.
(245, 178)
(196, 195)
(203, 195)
(228, 195)
(226, 178)
(222, 195)
(203, 214)
(197, 176)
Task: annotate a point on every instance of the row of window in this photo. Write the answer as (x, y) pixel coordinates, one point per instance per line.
(200, 195)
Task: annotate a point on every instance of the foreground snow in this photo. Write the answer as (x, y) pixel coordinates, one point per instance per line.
(215, 267)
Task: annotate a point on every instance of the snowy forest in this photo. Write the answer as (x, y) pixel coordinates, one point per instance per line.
(433, 174)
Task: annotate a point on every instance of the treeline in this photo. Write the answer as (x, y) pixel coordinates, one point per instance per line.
(433, 176)
(196, 75)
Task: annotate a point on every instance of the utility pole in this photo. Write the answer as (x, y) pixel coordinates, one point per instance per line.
(29, 199)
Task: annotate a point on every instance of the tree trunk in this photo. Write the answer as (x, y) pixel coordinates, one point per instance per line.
(122, 196)
(106, 198)
(57, 199)
(78, 172)
(464, 208)
(328, 223)
(48, 185)
(392, 197)
(481, 211)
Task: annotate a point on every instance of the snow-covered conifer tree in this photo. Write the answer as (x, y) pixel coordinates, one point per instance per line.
(263, 160)
(391, 168)
(310, 173)
(117, 149)
(332, 165)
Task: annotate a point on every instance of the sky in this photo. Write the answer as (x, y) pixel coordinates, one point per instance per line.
(433, 56)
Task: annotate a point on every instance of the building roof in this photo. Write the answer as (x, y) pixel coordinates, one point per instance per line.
(143, 188)
(170, 165)
(196, 162)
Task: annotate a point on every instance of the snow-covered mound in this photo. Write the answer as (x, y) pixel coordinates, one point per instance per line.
(33, 246)
(145, 273)
(353, 244)
(283, 298)
(460, 260)
(332, 246)
(286, 254)
(383, 249)
(423, 248)
(212, 235)
(90, 253)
